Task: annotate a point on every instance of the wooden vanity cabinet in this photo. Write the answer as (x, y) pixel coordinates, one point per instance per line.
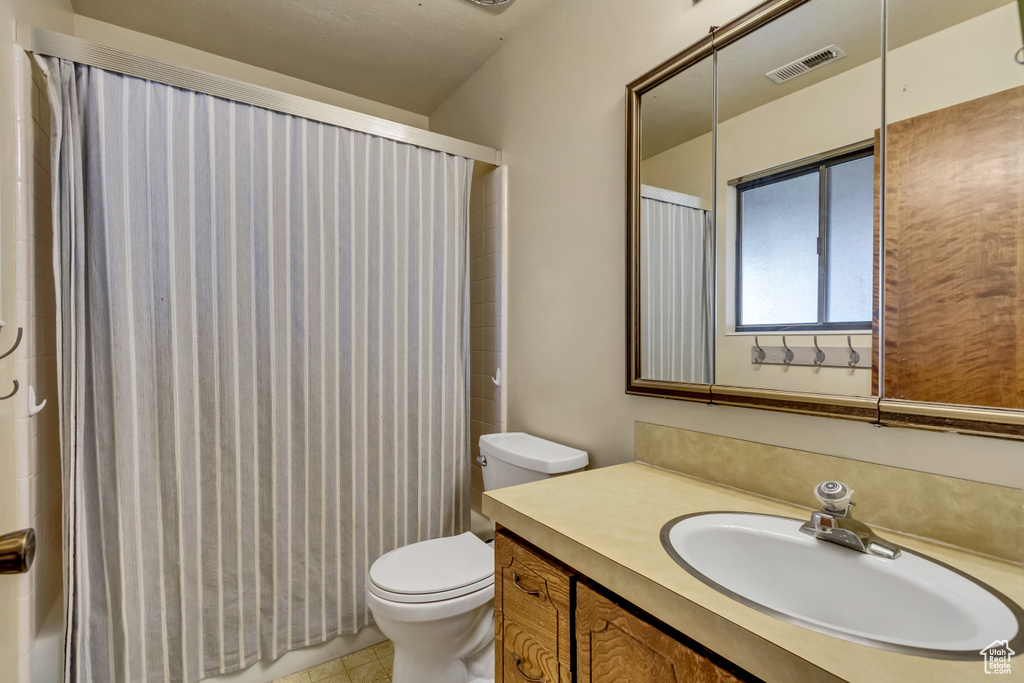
(553, 625)
(533, 620)
(617, 643)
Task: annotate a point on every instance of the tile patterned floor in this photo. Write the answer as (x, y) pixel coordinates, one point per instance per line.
(372, 665)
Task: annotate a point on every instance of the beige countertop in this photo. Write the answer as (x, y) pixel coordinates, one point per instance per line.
(605, 523)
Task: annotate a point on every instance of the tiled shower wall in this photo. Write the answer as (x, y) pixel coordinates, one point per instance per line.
(37, 439)
(487, 221)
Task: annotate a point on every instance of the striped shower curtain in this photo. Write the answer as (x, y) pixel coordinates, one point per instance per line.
(677, 256)
(263, 371)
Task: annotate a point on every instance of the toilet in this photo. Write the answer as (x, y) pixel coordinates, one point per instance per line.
(435, 599)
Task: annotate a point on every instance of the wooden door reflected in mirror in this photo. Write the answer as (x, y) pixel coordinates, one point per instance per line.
(954, 204)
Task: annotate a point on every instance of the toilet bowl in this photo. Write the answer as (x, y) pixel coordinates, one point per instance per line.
(435, 599)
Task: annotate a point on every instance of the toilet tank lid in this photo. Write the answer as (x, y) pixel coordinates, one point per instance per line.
(532, 453)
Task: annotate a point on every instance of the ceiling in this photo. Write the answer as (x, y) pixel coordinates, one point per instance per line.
(410, 54)
(681, 108)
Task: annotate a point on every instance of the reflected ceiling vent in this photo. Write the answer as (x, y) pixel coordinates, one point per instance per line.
(806, 64)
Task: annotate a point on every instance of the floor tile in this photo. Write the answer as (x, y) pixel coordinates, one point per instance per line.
(360, 658)
(385, 652)
(332, 672)
(370, 673)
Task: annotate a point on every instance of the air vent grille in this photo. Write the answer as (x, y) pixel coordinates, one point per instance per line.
(806, 64)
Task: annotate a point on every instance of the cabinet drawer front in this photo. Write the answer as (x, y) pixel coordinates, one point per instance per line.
(534, 593)
(615, 645)
(525, 661)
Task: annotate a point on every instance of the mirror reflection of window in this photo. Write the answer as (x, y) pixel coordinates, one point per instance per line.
(805, 251)
(799, 106)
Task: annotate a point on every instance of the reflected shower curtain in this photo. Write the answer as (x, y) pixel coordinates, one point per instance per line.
(263, 371)
(676, 288)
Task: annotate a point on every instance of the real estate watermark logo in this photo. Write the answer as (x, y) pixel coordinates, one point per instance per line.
(997, 657)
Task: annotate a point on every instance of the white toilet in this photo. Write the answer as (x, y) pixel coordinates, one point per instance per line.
(435, 599)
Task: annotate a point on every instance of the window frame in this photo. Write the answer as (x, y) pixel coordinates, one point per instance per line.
(819, 165)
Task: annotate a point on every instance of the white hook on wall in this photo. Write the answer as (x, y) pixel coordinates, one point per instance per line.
(497, 378)
(34, 409)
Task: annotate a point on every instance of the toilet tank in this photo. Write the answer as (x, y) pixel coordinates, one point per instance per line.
(517, 458)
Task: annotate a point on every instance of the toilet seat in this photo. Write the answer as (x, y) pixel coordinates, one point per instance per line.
(432, 571)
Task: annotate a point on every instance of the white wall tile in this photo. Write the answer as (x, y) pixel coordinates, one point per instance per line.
(37, 440)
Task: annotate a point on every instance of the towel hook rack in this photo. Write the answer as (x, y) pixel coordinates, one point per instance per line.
(13, 392)
(789, 355)
(819, 355)
(17, 343)
(761, 353)
(854, 356)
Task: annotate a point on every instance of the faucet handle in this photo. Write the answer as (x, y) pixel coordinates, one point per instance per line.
(834, 496)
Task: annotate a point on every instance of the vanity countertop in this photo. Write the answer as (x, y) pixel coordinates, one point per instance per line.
(605, 524)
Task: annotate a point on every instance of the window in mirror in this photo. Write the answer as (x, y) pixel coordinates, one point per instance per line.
(767, 127)
(805, 246)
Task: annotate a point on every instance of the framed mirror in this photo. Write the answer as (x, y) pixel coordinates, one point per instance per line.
(824, 212)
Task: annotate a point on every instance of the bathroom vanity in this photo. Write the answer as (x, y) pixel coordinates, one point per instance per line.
(585, 591)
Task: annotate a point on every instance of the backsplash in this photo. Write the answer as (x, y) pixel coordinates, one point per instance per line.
(980, 517)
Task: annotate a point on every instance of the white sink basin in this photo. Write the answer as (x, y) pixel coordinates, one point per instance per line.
(911, 604)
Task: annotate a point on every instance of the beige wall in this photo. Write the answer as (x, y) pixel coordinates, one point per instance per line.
(685, 168)
(553, 101)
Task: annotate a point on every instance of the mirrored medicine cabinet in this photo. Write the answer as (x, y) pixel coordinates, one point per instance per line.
(826, 215)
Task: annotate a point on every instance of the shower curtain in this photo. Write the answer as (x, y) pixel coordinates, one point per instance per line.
(263, 370)
(677, 286)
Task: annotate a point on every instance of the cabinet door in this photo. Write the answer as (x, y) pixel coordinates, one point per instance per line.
(521, 659)
(534, 592)
(615, 645)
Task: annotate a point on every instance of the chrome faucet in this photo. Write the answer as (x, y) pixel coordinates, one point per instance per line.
(835, 523)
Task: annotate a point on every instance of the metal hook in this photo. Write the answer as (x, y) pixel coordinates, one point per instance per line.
(761, 353)
(13, 392)
(819, 355)
(788, 357)
(17, 342)
(854, 356)
(1020, 56)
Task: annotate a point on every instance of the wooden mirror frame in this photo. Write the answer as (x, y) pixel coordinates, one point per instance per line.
(999, 422)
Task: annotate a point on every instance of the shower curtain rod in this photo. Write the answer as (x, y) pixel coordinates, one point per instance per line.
(49, 43)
